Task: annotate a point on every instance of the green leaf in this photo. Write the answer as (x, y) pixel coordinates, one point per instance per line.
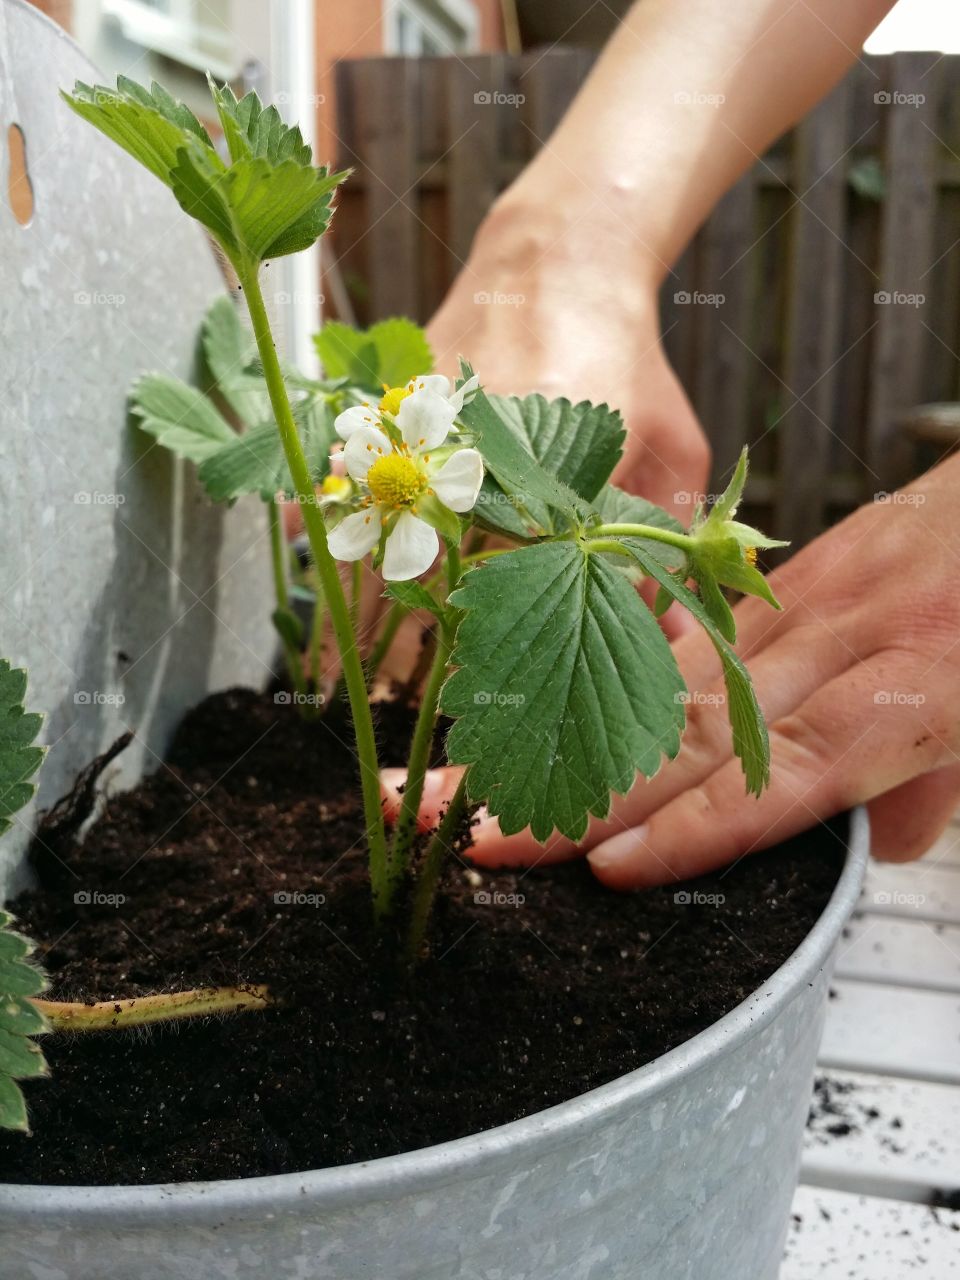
(403, 351)
(614, 506)
(229, 350)
(19, 761)
(565, 687)
(579, 444)
(254, 130)
(253, 462)
(150, 126)
(347, 353)
(414, 595)
(717, 606)
(726, 505)
(751, 744)
(19, 757)
(13, 1108)
(389, 353)
(181, 418)
(517, 472)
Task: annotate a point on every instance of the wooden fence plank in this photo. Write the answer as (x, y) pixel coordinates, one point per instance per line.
(813, 320)
(475, 99)
(907, 255)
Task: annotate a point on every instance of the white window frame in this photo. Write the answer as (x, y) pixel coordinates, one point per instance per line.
(435, 18)
(181, 33)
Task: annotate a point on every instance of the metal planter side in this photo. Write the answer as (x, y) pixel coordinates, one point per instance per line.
(682, 1170)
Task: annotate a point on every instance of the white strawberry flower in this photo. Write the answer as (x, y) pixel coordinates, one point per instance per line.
(396, 452)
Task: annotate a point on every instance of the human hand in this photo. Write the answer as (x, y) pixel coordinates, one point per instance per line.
(859, 678)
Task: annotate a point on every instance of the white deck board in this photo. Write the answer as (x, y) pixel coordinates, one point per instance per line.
(945, 852)
(839, 1236)
(913, 953)
(883, 1136)
(901, 1031)
(913, 890)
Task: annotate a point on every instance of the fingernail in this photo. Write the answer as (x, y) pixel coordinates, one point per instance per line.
(392, 779)
(618, 850)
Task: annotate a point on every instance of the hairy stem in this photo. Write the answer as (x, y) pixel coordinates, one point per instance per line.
(138, 1011)
(395, 615)
(429, 877)
(291, 657)
(332, 588)
(651, 531)
(315, 650)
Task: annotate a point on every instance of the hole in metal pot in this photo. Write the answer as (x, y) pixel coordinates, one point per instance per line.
(19, 187)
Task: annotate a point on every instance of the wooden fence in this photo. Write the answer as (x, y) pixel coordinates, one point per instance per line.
(803, 358)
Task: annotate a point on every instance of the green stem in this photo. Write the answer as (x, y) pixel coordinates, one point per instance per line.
(651, 531)
(424, 730)
(429, 878)
(332, 587)
(315, 649)
(356, 589)
(395, 615)
(291, 656)
(420, 755)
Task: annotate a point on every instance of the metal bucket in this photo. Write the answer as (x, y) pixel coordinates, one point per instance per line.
(682, 1170)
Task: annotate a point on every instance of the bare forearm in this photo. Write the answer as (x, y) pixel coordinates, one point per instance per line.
(687, 94)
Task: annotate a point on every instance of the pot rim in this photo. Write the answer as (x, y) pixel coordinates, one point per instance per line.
(476, 1155)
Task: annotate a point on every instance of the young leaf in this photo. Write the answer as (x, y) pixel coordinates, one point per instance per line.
(347, 353)
(402, 350)
(751, 743)
(181, 418)
(254, 130)
(565, 687)
(414, 595)
(251, 463)
(19, 977)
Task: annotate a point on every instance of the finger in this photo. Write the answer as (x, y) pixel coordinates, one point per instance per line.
(838, 749)
(906, 821)
(438, 788)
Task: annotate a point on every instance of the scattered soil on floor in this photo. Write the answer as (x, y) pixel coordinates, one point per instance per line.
(241, 860)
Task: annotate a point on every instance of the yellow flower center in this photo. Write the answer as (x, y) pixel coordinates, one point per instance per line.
(335, 486)
(396, 481)
(750, 555)
(392, 399)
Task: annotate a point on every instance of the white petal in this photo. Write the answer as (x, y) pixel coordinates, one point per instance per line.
(412, 547)
(361, 415)
(361, 451)
(466, 392)
(355, 535)
(458, 481)
(431, 382)
(425, 419)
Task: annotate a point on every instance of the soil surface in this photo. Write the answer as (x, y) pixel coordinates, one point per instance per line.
(240, 861)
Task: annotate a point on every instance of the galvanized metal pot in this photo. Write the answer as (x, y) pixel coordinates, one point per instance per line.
(682, 1170)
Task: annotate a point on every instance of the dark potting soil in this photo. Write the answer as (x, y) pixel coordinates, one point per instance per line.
(240, 860)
